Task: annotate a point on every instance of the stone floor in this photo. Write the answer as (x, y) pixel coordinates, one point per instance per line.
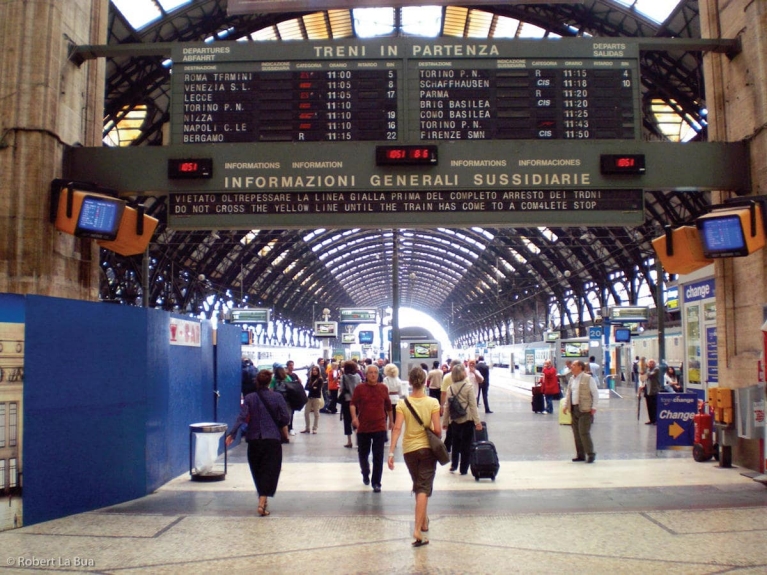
(634, 511)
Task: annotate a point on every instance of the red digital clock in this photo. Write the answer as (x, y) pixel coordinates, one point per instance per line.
(406, 155)
(632, 164)
(190, 168)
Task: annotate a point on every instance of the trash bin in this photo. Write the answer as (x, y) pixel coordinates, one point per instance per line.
(204, 440)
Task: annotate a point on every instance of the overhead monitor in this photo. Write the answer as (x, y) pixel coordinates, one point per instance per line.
(325, 329)
(424, 350)
(348, 338)
(622, 335)
(575, 349)
(85, 214)
(365, 337)
(731, 233)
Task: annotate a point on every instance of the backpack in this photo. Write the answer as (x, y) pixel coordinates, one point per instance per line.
(457, 409)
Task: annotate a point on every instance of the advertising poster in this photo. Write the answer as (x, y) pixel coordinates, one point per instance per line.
(712, 363)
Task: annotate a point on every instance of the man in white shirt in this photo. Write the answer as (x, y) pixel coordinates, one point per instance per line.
(581, 399)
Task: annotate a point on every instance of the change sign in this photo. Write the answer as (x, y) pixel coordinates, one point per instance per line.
(676, 416)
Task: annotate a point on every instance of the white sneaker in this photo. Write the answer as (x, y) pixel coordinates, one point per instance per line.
(292, 432)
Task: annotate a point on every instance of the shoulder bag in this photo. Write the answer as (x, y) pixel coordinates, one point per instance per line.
(285, 438)
(435, 442)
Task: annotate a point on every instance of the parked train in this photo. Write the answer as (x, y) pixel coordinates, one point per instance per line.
(265, 356)
(527, 358)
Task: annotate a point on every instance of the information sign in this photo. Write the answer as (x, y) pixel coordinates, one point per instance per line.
(250, 315)
(357, 315)
(675, 421)
(405, 90)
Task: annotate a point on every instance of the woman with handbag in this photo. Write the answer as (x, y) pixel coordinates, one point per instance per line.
(417, 411)
(462, 416)
(267, 416)
(314, 384)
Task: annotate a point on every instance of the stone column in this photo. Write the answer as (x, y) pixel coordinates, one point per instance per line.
(736, 97)
(47, 103)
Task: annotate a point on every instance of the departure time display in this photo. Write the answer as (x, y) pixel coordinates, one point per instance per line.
(406, 91)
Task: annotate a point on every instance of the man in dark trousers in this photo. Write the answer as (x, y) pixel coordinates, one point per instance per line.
(653, 389)
(371, 417)
(484, 369)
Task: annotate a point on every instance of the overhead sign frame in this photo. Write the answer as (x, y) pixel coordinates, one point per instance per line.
(250, 315)
(357, 315)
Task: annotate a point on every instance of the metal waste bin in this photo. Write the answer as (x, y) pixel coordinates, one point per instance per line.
(204, 440)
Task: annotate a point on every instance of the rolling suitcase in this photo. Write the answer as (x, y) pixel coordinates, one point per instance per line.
(481, 435)
(537, 402)
(484, 460)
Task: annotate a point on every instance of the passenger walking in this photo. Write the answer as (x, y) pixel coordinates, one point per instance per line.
(434, 380)
(483, 369)
(371, 417)
(595, 370)
(349, 381)
(651, 388)
(462, 417)
(447, 380)
(314, 388)
(267, 416)
(393, 383)
(333, 378)
(550, 386)
(279, 378)
(581, 399)
(419, 458)
(475, 377)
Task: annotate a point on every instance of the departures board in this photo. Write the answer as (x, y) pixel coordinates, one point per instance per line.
(407, 91)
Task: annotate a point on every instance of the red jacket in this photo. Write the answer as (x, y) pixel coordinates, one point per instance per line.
(550, 381)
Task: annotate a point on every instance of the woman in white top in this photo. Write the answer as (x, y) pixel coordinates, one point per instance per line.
(393, 382)
(475, 377)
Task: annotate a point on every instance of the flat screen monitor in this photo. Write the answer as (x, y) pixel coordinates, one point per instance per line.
(622, 335)
(424, 351)
(366, 337)
(99, 218)
(575, 349)
(722, 236)
(245, 337)
(325, 329)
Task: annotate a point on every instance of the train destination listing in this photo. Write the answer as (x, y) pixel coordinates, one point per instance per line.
(238, 203)
(306, 105)
(554, 101)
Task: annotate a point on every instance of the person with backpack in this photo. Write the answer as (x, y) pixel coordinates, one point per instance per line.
(461, 415)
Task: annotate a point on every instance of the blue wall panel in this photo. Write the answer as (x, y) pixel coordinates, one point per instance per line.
(229, 367)
(84, 407)
(12, 308)
(107, 404)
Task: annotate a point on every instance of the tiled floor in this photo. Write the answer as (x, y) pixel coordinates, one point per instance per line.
(633, 511)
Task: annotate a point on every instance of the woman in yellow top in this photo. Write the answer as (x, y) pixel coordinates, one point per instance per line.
(419, 459)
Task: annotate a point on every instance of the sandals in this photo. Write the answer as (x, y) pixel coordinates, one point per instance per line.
(348, 445)
(426, 529)
(420, 542)
(263, 511)
(305, 431)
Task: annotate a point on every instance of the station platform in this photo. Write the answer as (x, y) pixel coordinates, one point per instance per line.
(633, 511)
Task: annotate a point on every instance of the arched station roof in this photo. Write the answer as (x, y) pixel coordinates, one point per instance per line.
(480, 280)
